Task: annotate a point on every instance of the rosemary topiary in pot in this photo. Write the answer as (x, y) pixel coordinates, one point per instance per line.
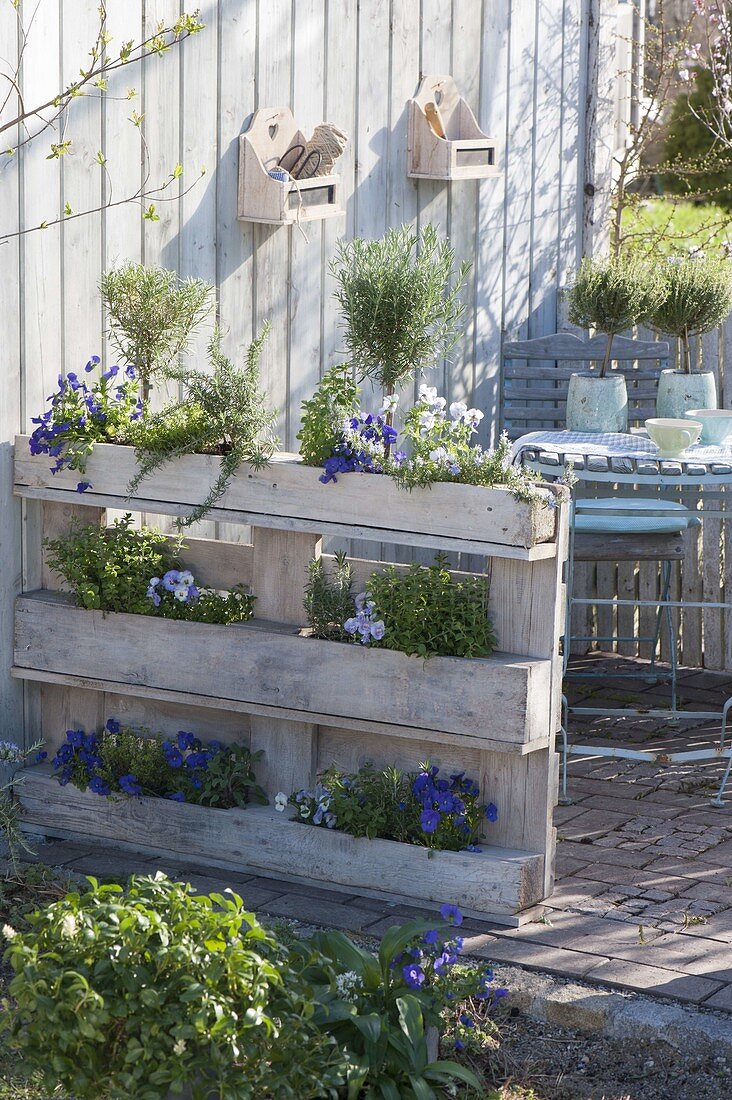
(152, 315)
(400, 305)
(696, 296)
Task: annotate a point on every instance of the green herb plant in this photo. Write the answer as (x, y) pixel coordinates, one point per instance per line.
(224, 413)
(136, 992)
(335, 400)
(329, 598)
(400, 304)
(696, 296)
(110, 569)
(429, 612)
(153, 314)
(611, 295)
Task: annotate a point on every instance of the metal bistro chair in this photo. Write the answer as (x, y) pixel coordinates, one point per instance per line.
(536, 375)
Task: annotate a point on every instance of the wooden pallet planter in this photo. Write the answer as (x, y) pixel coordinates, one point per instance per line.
(445, 142)
(258, 838)
(289, 496)
(262, 198)
(308, 703)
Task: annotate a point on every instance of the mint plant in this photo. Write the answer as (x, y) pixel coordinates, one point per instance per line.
(334, 402)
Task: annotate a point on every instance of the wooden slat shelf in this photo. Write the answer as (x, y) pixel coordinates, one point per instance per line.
(260, 839)
(288, 495)
(502, 698)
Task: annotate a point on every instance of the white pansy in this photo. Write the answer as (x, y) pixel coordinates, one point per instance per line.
(280, 801)
(390, 402)
(474, 416)
(68, 926)
(438, 455)
(181, 592)
(186, 578)
(428, 394)
(439, 403)
(426, 421)
(458, 409)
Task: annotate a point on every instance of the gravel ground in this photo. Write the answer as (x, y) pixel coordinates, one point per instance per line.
(535, 1060)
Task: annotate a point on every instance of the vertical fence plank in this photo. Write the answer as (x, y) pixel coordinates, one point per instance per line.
(11, 692)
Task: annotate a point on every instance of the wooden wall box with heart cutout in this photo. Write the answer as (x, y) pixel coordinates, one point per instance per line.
(271, 136)
(445, 141)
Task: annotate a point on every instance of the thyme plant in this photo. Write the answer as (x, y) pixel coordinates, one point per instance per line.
(696, 297)
(611, 295)
(152, 315)
(399, 299)
(224, 413)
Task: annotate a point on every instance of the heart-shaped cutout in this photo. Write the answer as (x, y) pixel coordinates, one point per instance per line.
(438, 97)
(273, 130)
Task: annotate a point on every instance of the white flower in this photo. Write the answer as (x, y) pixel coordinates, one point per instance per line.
(186, 578)
(474, 417)
(181, 592)
(438, 455)
(8, 932)
(347, 982)
(280, 801)
(179, 1047)
(458, 410)
(426, 421)
(390, 402)
(68, 926)
(428, 394)
(438, 404)
(683, 74)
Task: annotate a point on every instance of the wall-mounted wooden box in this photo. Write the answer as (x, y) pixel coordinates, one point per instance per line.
(445, 141)
(262, 198)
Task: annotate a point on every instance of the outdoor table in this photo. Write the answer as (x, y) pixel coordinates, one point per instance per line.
(700, 474)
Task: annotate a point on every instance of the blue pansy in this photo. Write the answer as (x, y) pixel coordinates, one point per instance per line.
(451, 913)
(413, 975)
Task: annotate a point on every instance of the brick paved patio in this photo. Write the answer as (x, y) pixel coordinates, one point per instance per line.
(644, 868)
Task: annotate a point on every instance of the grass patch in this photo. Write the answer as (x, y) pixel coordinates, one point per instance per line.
(664, 226)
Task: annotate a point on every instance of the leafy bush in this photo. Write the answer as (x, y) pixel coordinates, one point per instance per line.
(399, 299)
(611, 295)
(428, 612)
(441, 449)
(703, 166)
(412, 807)
(119, 568)
(152, 316)
(334, 402)
(123, 760)
(130, 993)
(696, 297)
(329, 598)
(223, 413)
(82, 415)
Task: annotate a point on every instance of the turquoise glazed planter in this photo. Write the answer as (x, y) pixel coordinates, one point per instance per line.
(597, 404)
(679, 392)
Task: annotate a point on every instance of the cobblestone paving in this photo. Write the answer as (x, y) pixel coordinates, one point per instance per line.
(643, 897)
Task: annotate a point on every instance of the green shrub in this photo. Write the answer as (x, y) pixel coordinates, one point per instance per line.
(696, 297)
(335, 400)
(223, 412)
(329, 598)
(428, 612)
(611, 295)
(129, 993)
(703, 167)
(119, 568)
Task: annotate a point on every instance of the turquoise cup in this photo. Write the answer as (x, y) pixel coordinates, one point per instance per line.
(716, 425)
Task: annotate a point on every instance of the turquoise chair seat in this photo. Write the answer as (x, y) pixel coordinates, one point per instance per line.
(638, 519)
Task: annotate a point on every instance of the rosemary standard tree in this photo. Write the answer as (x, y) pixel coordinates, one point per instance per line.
(152, 316)
(696, 296)
(222, 413)
(399, 299)
(611, 295)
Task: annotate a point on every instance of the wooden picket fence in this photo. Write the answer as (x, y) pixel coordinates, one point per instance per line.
(704, 637)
